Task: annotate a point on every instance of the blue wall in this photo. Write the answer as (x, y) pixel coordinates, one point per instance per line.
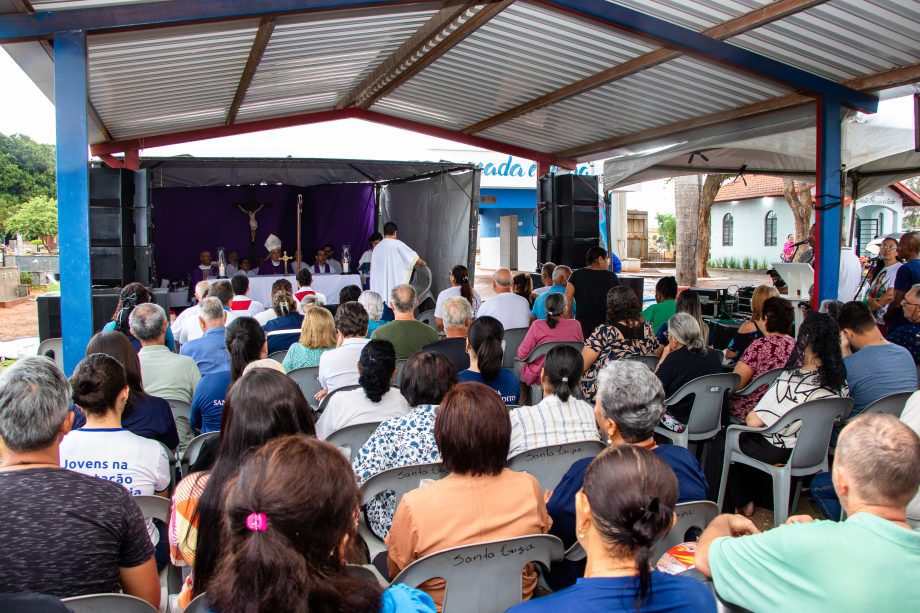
(508, 201)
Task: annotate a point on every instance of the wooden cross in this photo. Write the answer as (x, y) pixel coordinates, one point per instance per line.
(285, 258)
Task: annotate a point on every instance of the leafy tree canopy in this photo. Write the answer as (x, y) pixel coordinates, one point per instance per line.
(36, 219)
(667, 228)
(26, 171)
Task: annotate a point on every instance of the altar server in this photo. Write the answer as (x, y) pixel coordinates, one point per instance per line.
(392, 262)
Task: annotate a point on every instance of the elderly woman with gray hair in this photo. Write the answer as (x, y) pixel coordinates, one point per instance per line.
(630, 403)
(685, 358)
(373, 304)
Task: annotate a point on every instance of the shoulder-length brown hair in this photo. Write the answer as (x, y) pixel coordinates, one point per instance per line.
(472, 429)
(318, 328)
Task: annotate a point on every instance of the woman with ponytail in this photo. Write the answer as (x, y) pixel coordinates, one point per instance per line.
(626, 505)
(290, 516)
(263, 405)
(484, 346)
(562, 416)
(284, 330)
(375, 401)
(246, 343)
(132, 295)
(461, 284)
(554, 329)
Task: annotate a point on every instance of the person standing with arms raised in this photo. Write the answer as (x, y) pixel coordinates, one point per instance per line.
(588, 287)
(392, 262)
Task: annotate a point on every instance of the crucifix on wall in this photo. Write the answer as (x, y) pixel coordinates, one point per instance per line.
(253, 224)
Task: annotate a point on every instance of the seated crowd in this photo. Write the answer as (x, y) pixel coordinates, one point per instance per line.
(267, 516)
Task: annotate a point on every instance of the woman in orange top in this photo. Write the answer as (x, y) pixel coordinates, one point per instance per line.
(480, 500)
(263, 404)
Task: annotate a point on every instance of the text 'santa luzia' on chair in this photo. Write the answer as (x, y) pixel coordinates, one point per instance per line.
(816, 421)
(892, 404)
(190, 455)
(549, 464)
(399, 481)
(307, 379)
(690, 515)
(649, 360)
(427, 318)
(278, 356)
(352, 437)
(510, 343)
(705, 421)
(107, 603)
(536, 390)
(485, 577)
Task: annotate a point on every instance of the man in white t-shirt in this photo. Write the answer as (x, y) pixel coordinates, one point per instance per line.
(507, 307)
(189, 317)
(339, 367)
(392, 262)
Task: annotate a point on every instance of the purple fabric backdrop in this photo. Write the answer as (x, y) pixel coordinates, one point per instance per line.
(189, 220)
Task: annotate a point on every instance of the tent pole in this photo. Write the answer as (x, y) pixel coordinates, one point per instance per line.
(70, 99)
(828, 201)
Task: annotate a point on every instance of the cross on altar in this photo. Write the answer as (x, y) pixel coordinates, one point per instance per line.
(285, 258)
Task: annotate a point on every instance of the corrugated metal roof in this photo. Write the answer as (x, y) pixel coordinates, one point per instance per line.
(155, 81)
(680, 89)
(525, 51)
(65, 5)
(842, 39)
(308, 64)
(694, 14)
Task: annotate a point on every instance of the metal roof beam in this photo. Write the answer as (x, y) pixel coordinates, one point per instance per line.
(742, 23)
(895, 77)
(703, 46)
(18, 27)
(404, 67)
(441, 25)
(162, 140)
(263, 36)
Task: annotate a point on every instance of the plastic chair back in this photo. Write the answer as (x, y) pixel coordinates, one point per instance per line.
(154, 507)
(53, 349)
(325, 401)
(107, 603)
(421, 279)
(816, 424)
(705, 420)
(427, 318)
(549, 464)
(199, 604)
(892, 404)
(485, 576)
(400, 364)
(278, 356)
(766, 379)
(352, 437)
(697, 514)
(180, 408)
(649, 360)
(190, 455)
(172, 467)
(512, 340)
(541, 351)
(307, 379)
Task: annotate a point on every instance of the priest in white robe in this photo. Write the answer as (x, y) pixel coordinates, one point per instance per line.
(392, 262)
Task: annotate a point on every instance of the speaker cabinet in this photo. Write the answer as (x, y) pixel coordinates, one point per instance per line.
(565, 250)
(105, 301)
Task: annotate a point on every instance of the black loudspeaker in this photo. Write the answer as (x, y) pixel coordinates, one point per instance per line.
(568, 218)
(105, 300)
(119, 227)
(565, 250)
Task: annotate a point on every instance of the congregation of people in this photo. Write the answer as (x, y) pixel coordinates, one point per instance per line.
(269, 514)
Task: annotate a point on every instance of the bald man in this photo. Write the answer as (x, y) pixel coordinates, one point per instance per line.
(908, 276)
(507, 307)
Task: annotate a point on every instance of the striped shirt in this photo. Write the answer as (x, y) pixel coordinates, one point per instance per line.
(183, 527)
(552, 422)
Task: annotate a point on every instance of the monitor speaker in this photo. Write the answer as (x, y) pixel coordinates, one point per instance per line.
(105, 301)
(564, 250)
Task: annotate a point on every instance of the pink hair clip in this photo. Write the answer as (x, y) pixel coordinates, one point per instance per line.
(257, 522)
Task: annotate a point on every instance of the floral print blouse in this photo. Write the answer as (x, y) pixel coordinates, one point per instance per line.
(610, 344)
(403, 441)
(763, 355)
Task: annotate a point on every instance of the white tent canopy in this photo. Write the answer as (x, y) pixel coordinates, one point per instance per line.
(876, 150)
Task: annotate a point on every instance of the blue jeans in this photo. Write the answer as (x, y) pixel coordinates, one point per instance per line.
(822, 491)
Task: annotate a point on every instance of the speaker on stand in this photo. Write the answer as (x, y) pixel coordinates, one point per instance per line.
(567, 218)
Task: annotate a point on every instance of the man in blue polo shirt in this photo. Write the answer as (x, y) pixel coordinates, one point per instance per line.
(561, 276)
(210, 351)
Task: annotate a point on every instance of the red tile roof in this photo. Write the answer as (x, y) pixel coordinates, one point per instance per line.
(908, 196)
(752, 186)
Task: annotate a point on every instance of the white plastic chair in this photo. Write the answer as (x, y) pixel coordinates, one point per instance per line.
(278, 356)
(399, 481)
(892, 404)
(190, 455)
(705, 420)
(510, 342)
(157, 507)
(549, 464)
(428, 318)
(536, 390)
(755, 384)
(307, 379)
(108, 603)
(809, 456)
(421, 279)
(484, 577)
(352, 437)
(697, 514)
(53, 349)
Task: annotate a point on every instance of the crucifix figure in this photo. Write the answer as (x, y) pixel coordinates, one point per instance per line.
(285, 258)
(253, 224)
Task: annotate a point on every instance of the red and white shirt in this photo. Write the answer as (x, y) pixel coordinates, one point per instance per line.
(244, 305)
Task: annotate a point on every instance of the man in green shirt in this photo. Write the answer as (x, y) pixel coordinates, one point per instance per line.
(865, 563)
(406, 333)
(665, 305)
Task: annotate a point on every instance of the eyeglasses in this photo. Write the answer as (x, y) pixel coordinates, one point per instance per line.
(906, 303)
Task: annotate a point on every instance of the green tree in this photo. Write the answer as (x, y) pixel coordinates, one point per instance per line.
(26, 171)
(36, 219)
(667, 228)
